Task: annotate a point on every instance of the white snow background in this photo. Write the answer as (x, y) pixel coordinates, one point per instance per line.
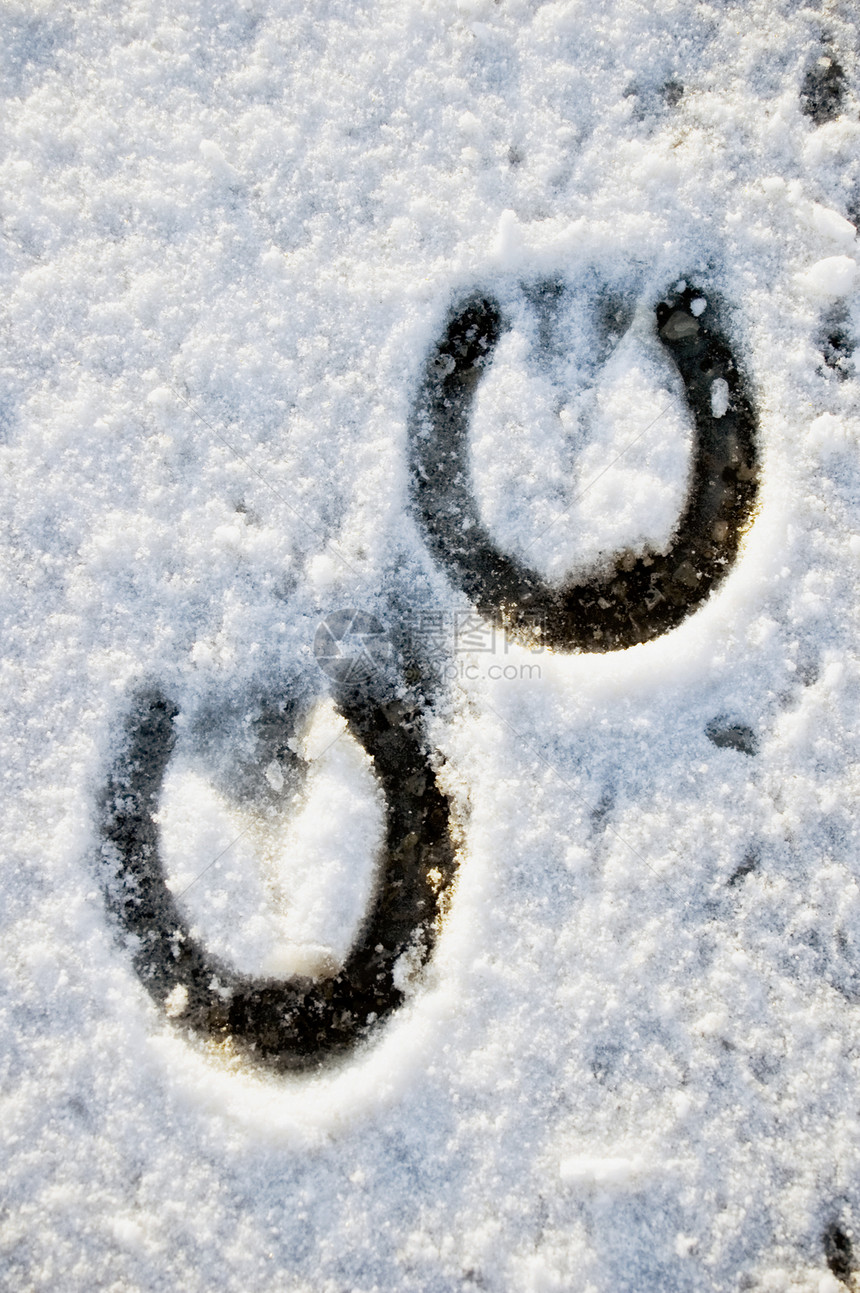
(231, 232)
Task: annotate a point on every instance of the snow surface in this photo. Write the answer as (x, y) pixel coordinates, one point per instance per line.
(230, 234)
(280, 893)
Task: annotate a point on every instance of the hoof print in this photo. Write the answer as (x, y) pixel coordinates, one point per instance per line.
(643, 596)
(295, 1023)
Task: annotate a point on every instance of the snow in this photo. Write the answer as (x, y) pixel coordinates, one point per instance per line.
(601, 1171)
(832, 277)
(624, 427)
(231, 235)
(288, 892)
(719, 397)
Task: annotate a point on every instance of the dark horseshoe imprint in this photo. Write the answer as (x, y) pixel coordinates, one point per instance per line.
(300, 1022)
(645, 595)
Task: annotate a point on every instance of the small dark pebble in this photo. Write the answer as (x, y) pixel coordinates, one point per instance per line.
(839, 1252)
(823, 90)
(672, 92)
(836, 343)
(732, 736)
(749, 864)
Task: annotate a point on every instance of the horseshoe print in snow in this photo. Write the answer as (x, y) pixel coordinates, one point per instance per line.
(295, 1023)
(645, 595)
(298, 1023)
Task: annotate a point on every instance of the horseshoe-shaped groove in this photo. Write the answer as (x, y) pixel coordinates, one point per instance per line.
(296, 1023)
(644, 595)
